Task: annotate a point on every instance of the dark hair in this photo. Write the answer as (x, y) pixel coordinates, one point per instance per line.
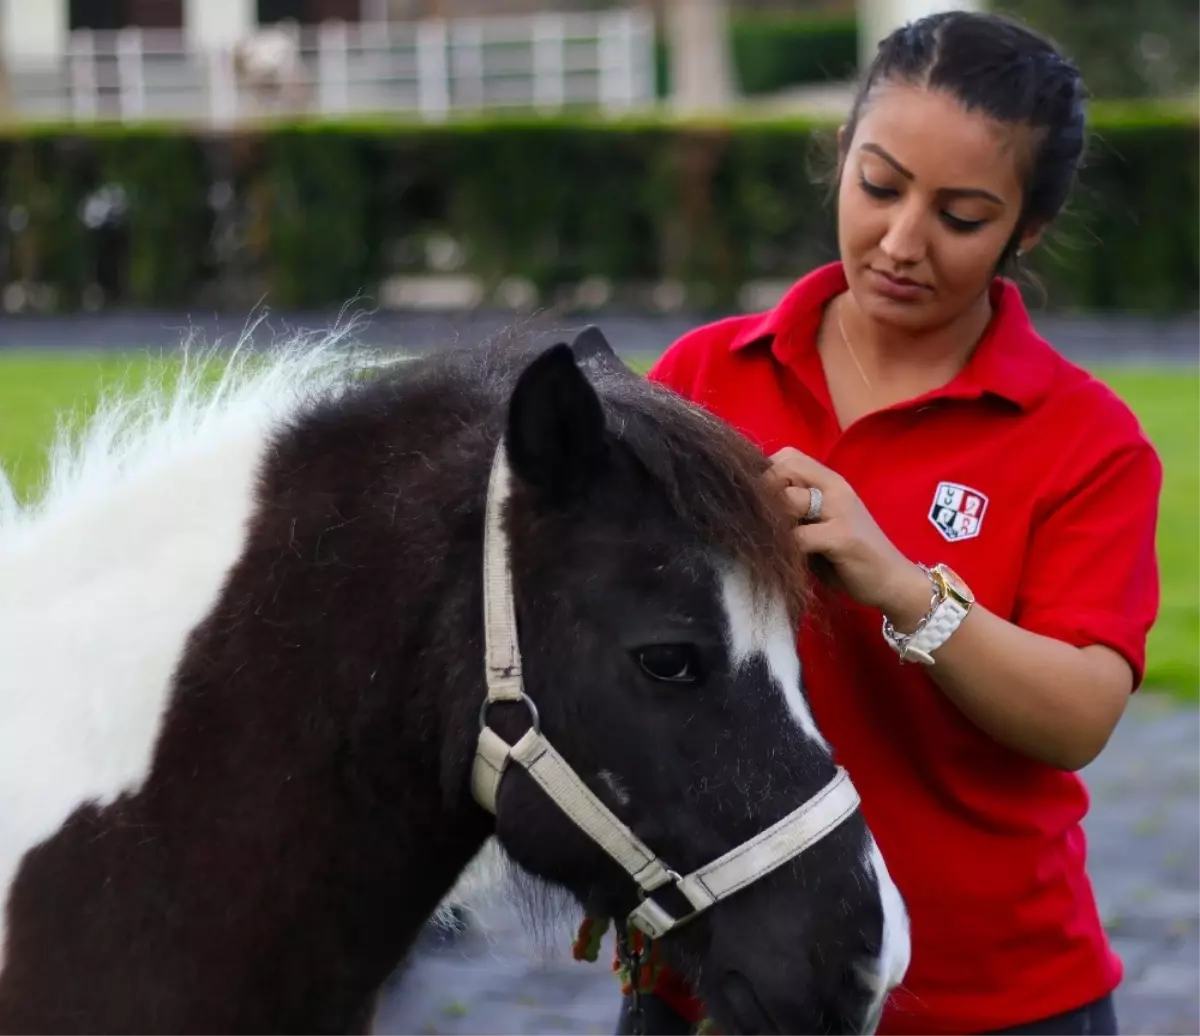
(1000, 67)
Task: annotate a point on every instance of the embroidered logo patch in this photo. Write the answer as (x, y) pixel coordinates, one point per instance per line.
(957, 511)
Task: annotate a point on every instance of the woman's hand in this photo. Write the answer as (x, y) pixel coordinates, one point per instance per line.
(1047, 699)
(865, 563)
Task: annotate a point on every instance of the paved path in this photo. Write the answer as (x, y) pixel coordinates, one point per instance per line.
(1144, 830)
(1113, 338)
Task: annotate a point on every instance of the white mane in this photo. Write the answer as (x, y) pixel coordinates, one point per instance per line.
(124, 548)
(131, 435)
(104, 573)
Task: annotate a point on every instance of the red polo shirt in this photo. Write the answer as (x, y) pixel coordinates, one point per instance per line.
(1035, 483)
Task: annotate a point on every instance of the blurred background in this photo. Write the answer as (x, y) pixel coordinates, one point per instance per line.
(443, 168)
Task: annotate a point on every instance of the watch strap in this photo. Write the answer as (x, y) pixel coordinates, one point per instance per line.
(946, 613)
(942, 622)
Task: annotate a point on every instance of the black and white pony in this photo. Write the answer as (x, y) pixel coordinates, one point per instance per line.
(247, 634)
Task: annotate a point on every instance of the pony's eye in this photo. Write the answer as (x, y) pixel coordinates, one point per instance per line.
(669, 663)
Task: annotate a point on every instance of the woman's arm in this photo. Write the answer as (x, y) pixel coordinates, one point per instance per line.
(1045, 698)
(1038, 694)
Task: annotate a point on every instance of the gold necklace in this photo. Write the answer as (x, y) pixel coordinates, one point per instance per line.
(850, 349)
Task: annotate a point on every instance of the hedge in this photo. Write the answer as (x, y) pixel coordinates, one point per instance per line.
(308, 215)
(774, 51)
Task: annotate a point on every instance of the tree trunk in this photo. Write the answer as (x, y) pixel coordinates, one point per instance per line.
(701, 61)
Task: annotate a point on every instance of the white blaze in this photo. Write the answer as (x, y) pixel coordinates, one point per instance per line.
(762, 628)
(896, 946)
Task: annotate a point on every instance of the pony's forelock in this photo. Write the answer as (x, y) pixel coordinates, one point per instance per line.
(713, 478)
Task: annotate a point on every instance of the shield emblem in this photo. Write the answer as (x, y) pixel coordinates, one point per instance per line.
(957, 511)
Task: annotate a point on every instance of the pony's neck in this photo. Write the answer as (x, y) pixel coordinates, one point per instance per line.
(293, 799)
(327, 719)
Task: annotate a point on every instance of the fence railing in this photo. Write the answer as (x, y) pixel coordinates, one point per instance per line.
(431, 69)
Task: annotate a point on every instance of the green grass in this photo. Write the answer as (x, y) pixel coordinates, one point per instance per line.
(1167, 401)
(35, 388)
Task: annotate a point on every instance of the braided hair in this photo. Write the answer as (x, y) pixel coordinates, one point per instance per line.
(997, 66)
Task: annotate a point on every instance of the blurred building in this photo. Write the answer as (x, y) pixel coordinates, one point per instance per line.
(222, 59)
(34, 30)
(39, 29)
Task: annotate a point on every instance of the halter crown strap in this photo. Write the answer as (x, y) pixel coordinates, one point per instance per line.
(500, 628)
(702, 888)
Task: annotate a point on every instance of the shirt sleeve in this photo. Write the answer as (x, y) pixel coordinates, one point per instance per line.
(1091, 571)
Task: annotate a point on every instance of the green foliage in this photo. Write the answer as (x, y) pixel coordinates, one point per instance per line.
(1131, 238)
(165, 194)
(312, 214)
(317, 195)
(774, 51)
(1146, 49)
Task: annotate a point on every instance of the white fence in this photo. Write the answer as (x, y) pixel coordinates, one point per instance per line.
(430, 69)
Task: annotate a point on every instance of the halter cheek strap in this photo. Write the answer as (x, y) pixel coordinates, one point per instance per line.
(704, 887)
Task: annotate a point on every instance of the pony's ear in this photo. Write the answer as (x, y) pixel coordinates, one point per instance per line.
(555, 435)
(591, 348)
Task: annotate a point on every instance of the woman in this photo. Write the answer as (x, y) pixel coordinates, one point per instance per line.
(986, 513)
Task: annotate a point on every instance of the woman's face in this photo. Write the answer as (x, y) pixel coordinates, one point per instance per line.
(930, 194)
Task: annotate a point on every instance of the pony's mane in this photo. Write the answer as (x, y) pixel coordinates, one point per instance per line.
(710, 473)
(214, 388)
(713, 478)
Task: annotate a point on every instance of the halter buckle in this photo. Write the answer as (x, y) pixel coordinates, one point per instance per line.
(672, 879)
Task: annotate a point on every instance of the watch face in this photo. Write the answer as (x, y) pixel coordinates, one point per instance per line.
(955, 582)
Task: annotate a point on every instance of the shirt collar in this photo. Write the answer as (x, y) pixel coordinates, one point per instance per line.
(1011, 361)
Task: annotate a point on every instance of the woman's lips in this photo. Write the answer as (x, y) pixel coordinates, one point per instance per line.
(899, 288)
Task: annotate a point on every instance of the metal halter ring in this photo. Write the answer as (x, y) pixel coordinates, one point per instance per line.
(534, 718)
(815, 499)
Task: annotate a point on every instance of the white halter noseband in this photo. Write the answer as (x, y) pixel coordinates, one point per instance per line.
(702, 888)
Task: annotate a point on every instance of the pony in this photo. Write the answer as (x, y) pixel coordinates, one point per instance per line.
(270, 647)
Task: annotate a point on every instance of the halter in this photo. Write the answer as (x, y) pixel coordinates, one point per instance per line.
(704, 887)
